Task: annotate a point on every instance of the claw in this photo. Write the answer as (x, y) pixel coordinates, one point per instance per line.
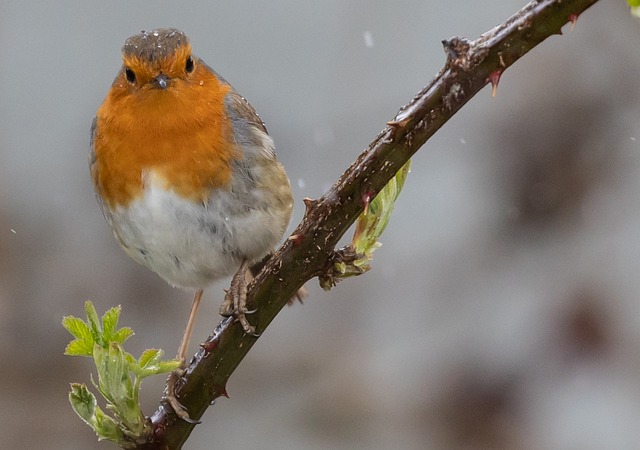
(246, 326)
(235, 300)
(172, 400)
(226, 308)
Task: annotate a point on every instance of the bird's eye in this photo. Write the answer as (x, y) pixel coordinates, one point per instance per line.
(189, 65)
(131, 76)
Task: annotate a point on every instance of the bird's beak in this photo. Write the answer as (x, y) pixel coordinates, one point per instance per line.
(161, 81)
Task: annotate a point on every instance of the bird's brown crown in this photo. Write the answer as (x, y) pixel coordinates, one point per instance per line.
(155, 45)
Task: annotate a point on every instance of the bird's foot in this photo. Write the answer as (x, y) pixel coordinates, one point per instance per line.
(235, 301)
(172, 400)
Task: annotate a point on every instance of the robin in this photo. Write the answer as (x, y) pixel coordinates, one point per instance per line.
(186, 174)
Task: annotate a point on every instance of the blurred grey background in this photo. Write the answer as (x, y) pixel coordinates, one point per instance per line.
(503, 310)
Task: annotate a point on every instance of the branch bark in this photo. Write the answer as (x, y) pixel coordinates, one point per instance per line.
(310, 252)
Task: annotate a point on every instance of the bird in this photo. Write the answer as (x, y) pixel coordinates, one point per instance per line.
(186, 175)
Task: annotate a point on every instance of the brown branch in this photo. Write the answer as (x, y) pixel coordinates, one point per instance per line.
(310, 251)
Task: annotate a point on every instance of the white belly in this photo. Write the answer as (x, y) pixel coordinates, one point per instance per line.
(190, 244)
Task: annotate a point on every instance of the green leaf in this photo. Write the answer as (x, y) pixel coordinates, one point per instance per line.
(149, 364)
(94, 331)
(167, 366)
(373, 221)
(110, 327)
(78, 348)
(85, 406)
(77, 327)
(94, 323)
(107, 428)
(113, 373)
(149, 357)
(83, 344)
(83, 402)
(131, 361)
(110, 323)
(122, 335)
(116, 386)
(633, 3)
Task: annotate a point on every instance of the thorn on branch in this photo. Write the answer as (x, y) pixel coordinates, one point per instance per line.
(494, 79)
(397, 127)
(296, 239)
(309, 203)
(210, 346)
(398, 124)
(223, 392)
(573, 18)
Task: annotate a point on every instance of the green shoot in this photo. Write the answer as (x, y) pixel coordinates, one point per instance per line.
(119, 376)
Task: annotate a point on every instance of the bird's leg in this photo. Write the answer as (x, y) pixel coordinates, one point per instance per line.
(184, 344)
(235, 300)
(182, 352)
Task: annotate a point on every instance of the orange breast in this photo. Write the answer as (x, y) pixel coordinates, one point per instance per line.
(181, 133)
